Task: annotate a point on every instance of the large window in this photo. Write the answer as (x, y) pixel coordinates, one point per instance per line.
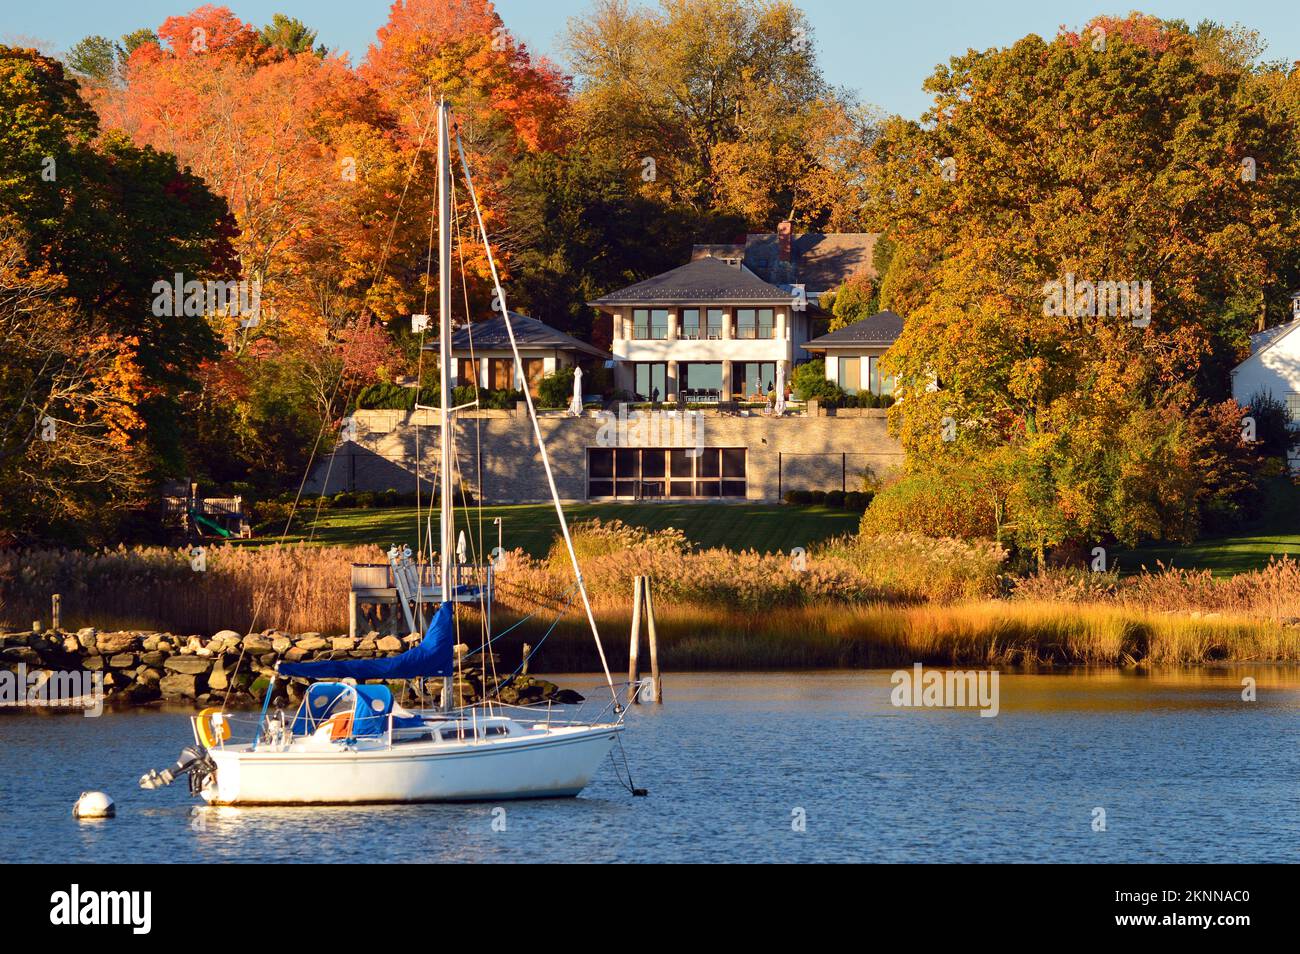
(864, 374)
(851, 374)
(755, 322)
(534, 371)
(651, 381)
(1293, 406)
(467, 372)
(501, 374)
(689, 326)
(715, 324)
(746, 323)
(701, 380)
(638, 473)
(756, 378)
(650, 323)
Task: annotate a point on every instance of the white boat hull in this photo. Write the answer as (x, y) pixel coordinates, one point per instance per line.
(555, 764)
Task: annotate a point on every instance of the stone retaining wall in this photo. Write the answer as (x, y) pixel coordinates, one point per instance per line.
(140, 668)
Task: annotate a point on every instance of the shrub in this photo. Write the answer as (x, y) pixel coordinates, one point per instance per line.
(798, 498)
(934, 504)
(809, 381)
(835, 498)
(555, 389)
(857, 500)
(818, 497)
(927, 568)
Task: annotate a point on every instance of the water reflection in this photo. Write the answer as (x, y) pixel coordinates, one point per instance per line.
(1185, 769)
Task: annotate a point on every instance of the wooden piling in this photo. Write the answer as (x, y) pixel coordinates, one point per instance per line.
(634, 646)
(55, 616)
(656, 686)
(527, 652)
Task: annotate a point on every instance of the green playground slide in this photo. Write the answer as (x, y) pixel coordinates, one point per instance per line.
(203, 521)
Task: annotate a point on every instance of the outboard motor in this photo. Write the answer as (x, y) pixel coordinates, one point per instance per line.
(193, 762)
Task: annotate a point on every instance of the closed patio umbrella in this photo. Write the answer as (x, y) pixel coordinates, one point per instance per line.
(780, 388)
(575, 406)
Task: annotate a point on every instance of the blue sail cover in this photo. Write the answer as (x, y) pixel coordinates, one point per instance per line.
(432, 657)
(370, 706)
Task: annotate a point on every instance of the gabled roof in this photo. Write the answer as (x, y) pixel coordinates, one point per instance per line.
(820, 261)
(1261, 340)
(882, 328)
(705, 280)
(490, 334)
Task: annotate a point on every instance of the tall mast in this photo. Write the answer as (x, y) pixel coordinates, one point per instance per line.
(446, 514)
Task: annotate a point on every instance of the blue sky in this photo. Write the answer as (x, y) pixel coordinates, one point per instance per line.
(882, 50)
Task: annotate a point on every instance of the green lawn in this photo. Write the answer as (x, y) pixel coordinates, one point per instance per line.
(1276, 532)
(762, 527)
(1224, 556)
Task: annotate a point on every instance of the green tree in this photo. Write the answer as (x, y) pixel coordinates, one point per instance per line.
(1113, 155)
(290, 34)
(94, 58)
(111, 220)
(719, 105)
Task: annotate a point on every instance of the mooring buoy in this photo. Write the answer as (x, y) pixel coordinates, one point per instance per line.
(94, 805)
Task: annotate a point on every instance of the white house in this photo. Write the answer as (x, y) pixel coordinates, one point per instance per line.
(718, 327)
(481, 353)
(853, 352)
(1273, 368)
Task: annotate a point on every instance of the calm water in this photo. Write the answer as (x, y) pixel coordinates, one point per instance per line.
(1185, 770)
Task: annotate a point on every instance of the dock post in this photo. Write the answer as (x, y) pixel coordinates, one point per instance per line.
(527, 651)
(634, 647)
(655, 683)
(352, 614)
(55, 606)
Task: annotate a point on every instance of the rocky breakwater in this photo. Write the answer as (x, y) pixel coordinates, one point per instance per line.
(143, 668)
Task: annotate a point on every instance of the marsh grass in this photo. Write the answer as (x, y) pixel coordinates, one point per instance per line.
(885, 602)
(985, 633)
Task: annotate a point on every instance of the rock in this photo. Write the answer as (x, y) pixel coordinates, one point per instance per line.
(281, 644)
(296, 654)
(153, 659)
(190, 665)
(93, 663)
(70, 644)
(142, 692)
(110, 643)
(389, 644)
(180, 686)
(217, 678)
(311, 643)
(86, 637)
(367, 645)
(226, 635)
(567, 697)
(164, 644)
(147, 676)
(121, 661)
(343, 644)
(257, 643)
(20, 654)
(309, 636)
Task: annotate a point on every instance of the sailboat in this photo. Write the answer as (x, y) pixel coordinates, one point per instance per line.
(350, 742)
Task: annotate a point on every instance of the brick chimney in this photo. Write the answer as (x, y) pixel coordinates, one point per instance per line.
(784, 233)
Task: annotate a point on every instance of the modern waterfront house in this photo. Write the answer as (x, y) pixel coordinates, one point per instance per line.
(710, 332)
(853, 353)
(481, 353)
(717, 328)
